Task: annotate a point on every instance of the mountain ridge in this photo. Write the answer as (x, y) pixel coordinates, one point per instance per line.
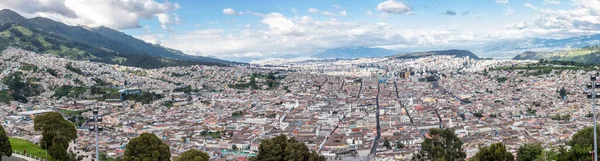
(450, 52)
(512, 48)
(104, 38)
(588, 55)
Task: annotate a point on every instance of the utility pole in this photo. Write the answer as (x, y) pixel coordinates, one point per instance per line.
(592, 95)
(95, 127)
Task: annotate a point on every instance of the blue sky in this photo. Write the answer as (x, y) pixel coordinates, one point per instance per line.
(489, 13)
(250, 30)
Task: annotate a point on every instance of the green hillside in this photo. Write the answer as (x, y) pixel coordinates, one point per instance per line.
(452, 52)
(588, 55)
(100, 44)
(44, 42)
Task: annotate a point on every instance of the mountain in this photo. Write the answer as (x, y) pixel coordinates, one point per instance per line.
(100, 44)
(588, 55)
(453, 52)
(358, 52)
(510, 48)
(532, 55)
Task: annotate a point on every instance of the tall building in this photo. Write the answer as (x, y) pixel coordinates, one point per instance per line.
(406, 74)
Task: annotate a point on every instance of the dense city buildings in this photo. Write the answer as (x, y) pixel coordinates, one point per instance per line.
(343, 109)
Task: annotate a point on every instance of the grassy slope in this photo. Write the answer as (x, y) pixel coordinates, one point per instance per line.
(73, 50)
(584, 55)
(33, 149)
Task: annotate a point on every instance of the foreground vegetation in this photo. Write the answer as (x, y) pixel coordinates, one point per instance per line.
(33, 149)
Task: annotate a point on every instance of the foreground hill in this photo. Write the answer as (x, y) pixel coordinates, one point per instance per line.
(358, 52)
(100, 44)
(453, 52)
(588, 55)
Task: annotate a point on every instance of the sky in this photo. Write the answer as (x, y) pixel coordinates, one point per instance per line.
(259, 29)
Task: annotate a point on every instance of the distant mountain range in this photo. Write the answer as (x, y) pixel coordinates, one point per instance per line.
(510, 48)
(99, 44)
(356, 52)
(588, 55)
(453, 52)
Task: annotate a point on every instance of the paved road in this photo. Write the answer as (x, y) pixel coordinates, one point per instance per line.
(376, 140)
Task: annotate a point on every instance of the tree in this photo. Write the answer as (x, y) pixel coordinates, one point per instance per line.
(147, 147)
(234, 147)
(193, 155)
(58, 150)
(5, 147)
(478, 115)
(563, 92)
(400, 145)
(386, 143)
(529, 152)
(282, 148)
(443, 144)
(495, 152)
(581, 143)
(56, 134)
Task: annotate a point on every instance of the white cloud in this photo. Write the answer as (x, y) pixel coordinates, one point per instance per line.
(582, 19)
(517, 26)
(294, 10)
(118, 14)
(551, 1)
(393, 6)
(529, 5)
(40, 6)
(313, 10)
(327, 13)
(369, 13)
(229, 11)
(302, 36)
(509, 11)
(151, 38)
(502, 1)
(343, 13)
(257, 14)
(585, 17)
(337, 7)
(167, 21)
(279, 24)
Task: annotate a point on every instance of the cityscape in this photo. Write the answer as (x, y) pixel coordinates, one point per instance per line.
(76, 89)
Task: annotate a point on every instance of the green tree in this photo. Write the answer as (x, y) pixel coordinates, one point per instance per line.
(581, 143)
(529, 152)
(314, 156)
(562, 92)
(5, 147)
(234, 147)
(58, 150)
(400, 145)
(478, 115)
(386, 144)
(281, 148)
(443, 144)
(147, 147)
(56, 134)
(496, 152)
(20, 88)
(193, 155)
